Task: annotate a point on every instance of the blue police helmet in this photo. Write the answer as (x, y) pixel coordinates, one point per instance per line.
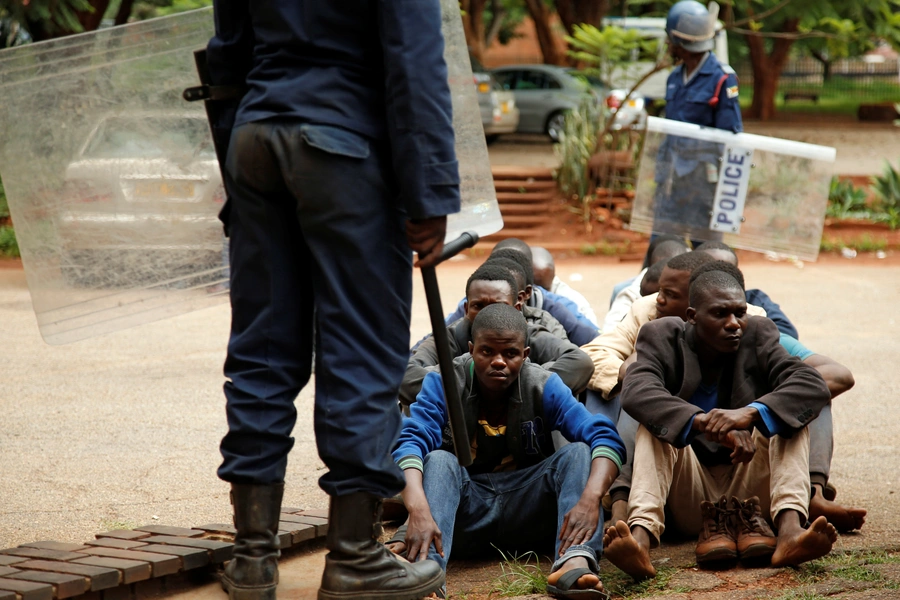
(692, 26)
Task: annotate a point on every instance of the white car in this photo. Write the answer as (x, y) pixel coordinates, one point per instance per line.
(141, 198)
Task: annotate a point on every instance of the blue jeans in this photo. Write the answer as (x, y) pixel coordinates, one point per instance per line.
(318, 256)
(512, 510)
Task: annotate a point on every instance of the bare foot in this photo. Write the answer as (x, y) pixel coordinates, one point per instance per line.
(801, 545)
(585, 582)
(622, 549)
(843, 518)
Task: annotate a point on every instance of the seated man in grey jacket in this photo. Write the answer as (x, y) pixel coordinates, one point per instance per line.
(723, 410)
(492, 284)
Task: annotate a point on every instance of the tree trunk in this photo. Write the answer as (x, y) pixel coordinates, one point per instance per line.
(498, 16)
(124, 12)
(547, 41)
(826, 65)
(90, 21)
(473, 26)
(767, 69)
(579, 12)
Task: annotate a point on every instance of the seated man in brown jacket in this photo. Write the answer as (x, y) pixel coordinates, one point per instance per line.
(723, 410)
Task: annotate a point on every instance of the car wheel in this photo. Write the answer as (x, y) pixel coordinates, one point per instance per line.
(556, 125)
(490, 139)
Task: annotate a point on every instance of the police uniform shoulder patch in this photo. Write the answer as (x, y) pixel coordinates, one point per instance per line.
(732, 91)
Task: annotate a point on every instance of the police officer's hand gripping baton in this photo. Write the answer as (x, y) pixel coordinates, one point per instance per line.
(445, 360)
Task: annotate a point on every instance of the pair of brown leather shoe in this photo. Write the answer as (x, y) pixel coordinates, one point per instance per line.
(734, 529)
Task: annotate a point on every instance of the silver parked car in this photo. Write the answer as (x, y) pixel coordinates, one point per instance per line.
(543, 94)
(499, 113)
(142, 194)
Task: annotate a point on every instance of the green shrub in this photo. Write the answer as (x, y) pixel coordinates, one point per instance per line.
(886, 188)
(846, 201)
(575, 148)
(4, 207)
(8, 244)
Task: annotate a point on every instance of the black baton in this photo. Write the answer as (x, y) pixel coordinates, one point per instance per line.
(445, 360)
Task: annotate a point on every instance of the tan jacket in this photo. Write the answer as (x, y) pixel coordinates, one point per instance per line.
(609, 350)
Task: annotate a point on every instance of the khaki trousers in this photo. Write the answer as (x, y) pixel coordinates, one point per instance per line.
(673, 478)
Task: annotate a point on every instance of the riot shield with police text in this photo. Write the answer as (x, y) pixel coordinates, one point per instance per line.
(112, 178)
(752, 192)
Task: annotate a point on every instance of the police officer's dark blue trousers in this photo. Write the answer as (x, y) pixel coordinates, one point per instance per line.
(317, 235)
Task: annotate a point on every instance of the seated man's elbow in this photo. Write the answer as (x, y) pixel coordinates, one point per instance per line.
(841, 383)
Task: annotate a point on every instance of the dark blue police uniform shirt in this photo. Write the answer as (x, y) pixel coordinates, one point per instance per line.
(373, 68)
(690, 103)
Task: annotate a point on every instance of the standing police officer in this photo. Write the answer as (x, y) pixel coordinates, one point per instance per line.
(341, 161)
(702, 91)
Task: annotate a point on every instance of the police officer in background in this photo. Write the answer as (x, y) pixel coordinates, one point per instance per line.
(341, 162)
(702, 91)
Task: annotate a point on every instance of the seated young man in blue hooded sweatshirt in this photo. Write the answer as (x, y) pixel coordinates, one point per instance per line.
(518, 493)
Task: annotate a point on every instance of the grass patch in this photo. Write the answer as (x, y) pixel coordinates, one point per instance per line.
(113, 524)
(865, 243)
(520, 575)
(853, 565)
(800, 595)
(858, 573)
(604, 249)
(621, 585)
(838, 96)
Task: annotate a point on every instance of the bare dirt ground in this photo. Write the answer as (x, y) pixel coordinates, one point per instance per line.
(123, 430)
(862, 147)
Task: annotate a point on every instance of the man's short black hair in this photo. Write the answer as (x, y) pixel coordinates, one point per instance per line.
(712, 280)
(720, 265)
(714, 245)
(652, 275)
(689, 261)
(656, 242)
(515, 244)
(542, 258)
(493, 272)
(520, 257)
(717, 245)
(513, 267)
(668, 249)
(499, 317)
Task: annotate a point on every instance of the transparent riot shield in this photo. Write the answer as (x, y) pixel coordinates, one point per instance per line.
(480, 212)
(749, 191)
(113, 182)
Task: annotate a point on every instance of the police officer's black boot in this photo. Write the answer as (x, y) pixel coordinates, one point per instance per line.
(359, 567)
(252, 573)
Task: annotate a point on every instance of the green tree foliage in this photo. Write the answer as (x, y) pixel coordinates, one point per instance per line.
(831, 27)
(603, 50)
(148, 9)
(50, 18)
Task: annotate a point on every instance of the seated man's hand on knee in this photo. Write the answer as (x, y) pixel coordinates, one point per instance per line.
(720, 421)
(422, 532)
(742, 445)
(579, 524)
